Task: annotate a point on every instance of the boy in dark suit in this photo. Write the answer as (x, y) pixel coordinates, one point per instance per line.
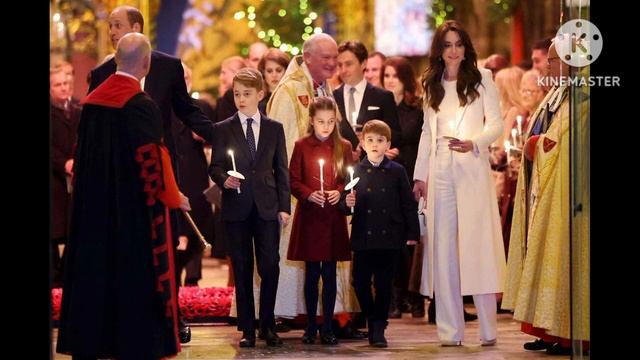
(251, 214)
(384, 220)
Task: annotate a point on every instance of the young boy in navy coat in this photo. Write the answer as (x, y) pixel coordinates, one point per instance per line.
(384, 220)
(251, 214)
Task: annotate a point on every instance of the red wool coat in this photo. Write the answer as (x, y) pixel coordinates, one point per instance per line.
(318, 233)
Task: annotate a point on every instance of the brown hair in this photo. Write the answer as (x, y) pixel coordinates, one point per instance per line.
(275, 55)
(377, 127)
(468, 76)
(249, 77)
(327, 103)
(405, 74)
(356, 47)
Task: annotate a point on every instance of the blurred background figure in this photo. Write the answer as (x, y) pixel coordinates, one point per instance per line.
(398, 77)
(272, 65)
(65, 115)
(256, 51)
(373, 68)
(193, 179)
(495, 63)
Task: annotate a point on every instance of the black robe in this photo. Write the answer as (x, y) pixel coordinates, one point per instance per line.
(119, 289)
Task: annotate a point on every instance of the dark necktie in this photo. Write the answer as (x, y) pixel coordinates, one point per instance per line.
(251, 139)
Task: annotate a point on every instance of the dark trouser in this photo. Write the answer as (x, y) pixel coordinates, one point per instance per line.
(381, 265)
(190, 260)
(265, 236)
(312, 274)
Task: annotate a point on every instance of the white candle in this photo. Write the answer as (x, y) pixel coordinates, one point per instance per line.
(321, 162)
(514, 135)
(233, 159)
(519, 121)
(507, 149)
(233, 163)
(350, 169)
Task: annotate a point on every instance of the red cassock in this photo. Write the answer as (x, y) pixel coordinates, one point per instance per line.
(318, 233)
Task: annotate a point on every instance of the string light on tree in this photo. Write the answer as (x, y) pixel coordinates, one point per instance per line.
(284, 25)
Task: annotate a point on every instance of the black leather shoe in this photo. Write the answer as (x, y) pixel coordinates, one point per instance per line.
(248, 339)
(271, 337)
(328, 338)
(469, 317)
(395, 314)
(539, 344)
(184, 333)
(557, 349)
(307, 338)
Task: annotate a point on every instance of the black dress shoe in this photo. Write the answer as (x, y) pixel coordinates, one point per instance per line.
(539, 344)
(557, 349)
(248, 339)
(328, 338)
(271, 337)
(469, 316)
(184, 333)
(308, 338)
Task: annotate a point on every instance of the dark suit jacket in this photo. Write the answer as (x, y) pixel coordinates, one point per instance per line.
(386, 111)
(386, 213)
(165, 85)
(266, 180)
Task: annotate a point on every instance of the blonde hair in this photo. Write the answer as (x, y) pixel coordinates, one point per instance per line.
(508, 84)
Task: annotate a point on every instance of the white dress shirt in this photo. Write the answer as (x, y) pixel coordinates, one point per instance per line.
(255, 125)
(357, 96)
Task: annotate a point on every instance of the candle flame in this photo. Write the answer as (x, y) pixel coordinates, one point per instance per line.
(230, 152)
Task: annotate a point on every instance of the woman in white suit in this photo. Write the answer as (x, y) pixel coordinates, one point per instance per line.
(464, 251)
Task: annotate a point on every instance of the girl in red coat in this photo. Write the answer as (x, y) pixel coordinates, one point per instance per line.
(319, 236)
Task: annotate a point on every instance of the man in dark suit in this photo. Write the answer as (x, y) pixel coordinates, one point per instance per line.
(253, 206)
(165, 85)
(360, 101)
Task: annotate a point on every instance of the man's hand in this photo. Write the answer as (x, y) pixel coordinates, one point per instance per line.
(317, 197)
(351, 199)
(283, 218)
(68, 166)
(182, 242)
(232, 183)
(419, 190)
(184, 203)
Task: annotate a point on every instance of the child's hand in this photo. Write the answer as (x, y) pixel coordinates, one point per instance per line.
(333, 196)
(351, 199)
(412, 242)
(317, 197)
(232, 183)
(283, 218)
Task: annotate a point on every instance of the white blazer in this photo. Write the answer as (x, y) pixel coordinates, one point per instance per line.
(481, 250)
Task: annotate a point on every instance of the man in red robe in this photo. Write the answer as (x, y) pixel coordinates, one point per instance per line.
(119, 287)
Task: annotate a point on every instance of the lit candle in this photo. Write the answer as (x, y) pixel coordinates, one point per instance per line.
(233, 163)
(321, 162)
(350, 169)
(519, 121)
(233, 159)
(507, 148)
(514, 135)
